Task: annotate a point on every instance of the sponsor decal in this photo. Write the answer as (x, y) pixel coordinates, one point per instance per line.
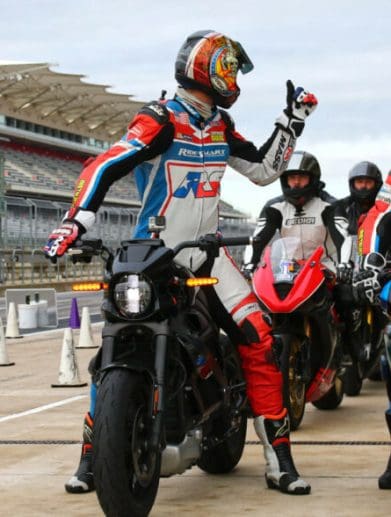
(300, 220)
(182, 136)
(201, 184)
(279, 153)
(193, 153)
(360, 241)
(78, 190)
(217, 136)
(288, 152)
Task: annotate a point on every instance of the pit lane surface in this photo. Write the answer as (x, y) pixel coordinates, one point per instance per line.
(340, 452)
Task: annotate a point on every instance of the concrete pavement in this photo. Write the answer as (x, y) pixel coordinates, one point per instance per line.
(340, 452)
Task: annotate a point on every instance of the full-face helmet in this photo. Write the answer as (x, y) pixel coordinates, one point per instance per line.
(365, 170)
(210, 61)
(302, 163)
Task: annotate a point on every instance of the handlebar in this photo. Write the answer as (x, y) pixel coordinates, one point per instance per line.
(211, 243)
(84, 250)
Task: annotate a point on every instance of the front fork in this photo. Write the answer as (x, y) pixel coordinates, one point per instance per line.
(158, 376)
(159, 390)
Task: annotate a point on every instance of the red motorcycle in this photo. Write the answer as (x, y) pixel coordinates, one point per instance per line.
(297, 293)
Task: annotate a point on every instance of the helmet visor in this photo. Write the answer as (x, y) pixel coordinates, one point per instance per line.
(244, 62)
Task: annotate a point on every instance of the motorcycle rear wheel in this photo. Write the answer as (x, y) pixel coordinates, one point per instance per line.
(333, 397)
(226, 455)
(126, 473)
(293, 385)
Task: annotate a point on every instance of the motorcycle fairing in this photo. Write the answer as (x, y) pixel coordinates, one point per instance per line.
(307, 281)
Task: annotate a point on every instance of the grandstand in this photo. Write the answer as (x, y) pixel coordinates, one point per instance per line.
(50, 124)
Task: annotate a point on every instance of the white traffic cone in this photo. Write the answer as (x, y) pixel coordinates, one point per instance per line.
(68, 376)
(86, 338)
(12, 329)
(4, 361)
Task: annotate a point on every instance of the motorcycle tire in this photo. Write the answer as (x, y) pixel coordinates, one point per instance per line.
(126, 473)
(352, 380)
(224, 457)
(333, 397)
(293, 386)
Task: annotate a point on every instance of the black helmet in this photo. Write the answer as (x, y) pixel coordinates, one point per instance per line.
(365, 170)
(210, 61)
(304, 163)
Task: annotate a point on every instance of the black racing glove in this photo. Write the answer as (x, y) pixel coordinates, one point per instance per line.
(367, 283)
(345, 272)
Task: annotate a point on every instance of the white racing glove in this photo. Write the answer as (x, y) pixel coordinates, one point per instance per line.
(300, 104)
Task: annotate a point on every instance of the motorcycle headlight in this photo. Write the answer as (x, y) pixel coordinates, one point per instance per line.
(133, 295)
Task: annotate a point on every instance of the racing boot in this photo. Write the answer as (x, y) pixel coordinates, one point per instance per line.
(385, 478)
(281, 473)
(83, 481)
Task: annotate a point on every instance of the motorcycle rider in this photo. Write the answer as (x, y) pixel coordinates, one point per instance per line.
(374, 247)
(365, 180)
(304, 211)
(178, 150)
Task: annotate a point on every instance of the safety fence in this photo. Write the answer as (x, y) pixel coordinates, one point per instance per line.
(23, 267)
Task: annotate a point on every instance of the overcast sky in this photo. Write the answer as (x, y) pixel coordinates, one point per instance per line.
(340, 50)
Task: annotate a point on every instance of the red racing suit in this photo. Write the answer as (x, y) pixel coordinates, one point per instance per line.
(374, 233)
(179, 160)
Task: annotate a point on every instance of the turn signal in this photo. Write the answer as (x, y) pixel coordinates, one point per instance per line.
(89, 286)
(202, 281)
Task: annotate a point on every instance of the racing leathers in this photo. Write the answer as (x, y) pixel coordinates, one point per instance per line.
(314, 224)
(374, 233)
(179, 159)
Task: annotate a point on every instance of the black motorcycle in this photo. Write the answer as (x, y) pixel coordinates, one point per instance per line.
(365, 342)
(171, 393)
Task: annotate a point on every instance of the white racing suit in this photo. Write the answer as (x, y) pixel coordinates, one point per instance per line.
(315, 224)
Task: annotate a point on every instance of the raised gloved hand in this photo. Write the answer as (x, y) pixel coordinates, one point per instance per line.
(300, 104)
(61, 239)
(345, 272)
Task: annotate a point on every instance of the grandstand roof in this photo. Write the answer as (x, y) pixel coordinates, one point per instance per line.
(33, 92)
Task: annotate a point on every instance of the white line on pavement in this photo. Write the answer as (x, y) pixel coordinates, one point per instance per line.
(42, 408)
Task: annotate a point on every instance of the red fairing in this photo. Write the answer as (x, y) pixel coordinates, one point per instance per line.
(305, 284)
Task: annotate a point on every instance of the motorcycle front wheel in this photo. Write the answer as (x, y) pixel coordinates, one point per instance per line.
(126, 473)
(293, 384)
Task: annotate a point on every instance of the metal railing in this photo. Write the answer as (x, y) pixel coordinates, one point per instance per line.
(23, 267)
